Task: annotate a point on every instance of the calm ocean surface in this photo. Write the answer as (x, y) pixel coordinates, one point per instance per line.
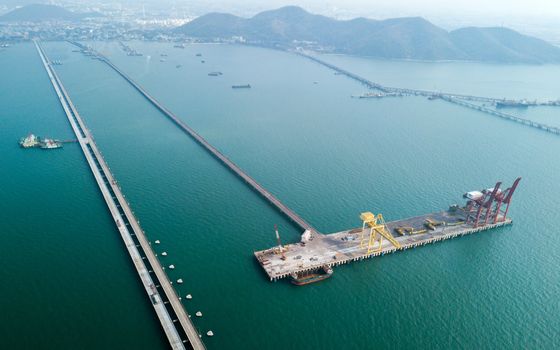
(68, 281)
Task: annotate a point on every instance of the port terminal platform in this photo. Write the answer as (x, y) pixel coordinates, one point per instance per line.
(352, 245)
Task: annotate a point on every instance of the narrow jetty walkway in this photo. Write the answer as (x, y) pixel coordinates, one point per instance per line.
(458, 99)
(289, 213)
(166, 304)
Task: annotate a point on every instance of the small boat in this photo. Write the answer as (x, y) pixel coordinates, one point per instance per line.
(246, 86)
(302, 279)
(215, 74)
(198, 55)
(178, 66)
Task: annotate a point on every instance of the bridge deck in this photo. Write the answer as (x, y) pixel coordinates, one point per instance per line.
(215, 152)
(128, 227)
(527, 122)
(459, 99)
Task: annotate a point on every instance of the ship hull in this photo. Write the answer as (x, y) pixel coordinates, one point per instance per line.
(313, 278)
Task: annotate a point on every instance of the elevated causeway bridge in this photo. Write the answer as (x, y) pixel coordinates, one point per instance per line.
(373, 85)
(527, 122)
(458, 99)
(275, 202)
(175, 321)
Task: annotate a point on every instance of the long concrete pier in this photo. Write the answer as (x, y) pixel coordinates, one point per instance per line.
(166, 303)
(347, 246)
(527, 122)
(459, 99)
(289, 213)
(373, 85)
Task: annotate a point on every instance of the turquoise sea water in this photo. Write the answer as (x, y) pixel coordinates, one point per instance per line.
(66, 280)
(327, 156)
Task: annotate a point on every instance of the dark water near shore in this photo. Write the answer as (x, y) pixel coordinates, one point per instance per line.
(325, 155)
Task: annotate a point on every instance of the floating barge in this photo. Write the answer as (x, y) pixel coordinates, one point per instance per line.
(245, 86)
(484, 210)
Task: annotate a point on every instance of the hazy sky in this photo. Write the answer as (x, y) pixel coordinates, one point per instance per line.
(453, 7)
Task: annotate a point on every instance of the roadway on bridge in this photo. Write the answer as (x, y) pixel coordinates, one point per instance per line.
(125, 219)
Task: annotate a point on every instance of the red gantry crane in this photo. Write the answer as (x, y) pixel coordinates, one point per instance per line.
(490, 203)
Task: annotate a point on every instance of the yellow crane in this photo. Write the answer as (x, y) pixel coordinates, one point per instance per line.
(377, 230)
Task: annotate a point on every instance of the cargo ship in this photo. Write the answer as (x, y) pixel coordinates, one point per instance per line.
(304, 278)
(514, 104)
(246, 86)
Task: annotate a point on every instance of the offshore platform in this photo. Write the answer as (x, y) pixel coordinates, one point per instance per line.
(313, 258)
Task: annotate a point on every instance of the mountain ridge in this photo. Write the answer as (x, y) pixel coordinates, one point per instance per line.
(395, 38)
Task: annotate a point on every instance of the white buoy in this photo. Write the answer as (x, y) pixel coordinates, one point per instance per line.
(198, 314)
(210, 333)
(164, 253)
(171, 267)
(189, 296)
(179, 281)
(157, 241)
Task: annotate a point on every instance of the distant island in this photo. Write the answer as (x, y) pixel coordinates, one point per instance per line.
(397, 38)
(42, 12)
